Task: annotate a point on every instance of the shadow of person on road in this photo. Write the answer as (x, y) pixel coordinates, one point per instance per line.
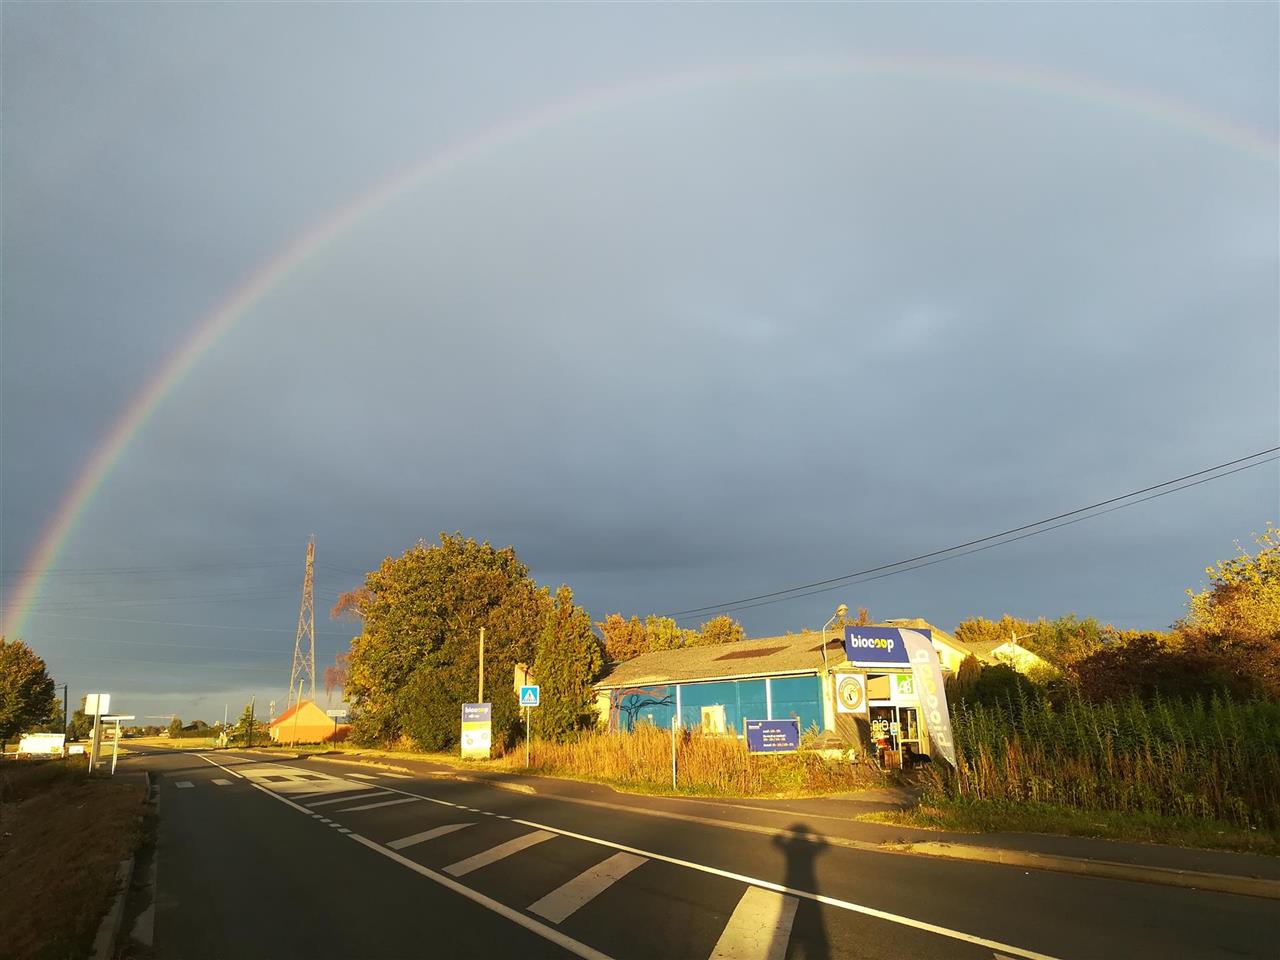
(802, 848)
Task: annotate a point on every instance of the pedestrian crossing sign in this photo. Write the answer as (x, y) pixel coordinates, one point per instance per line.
(530, 695)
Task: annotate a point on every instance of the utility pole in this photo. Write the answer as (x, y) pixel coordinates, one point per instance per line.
(304, 661)
(253, 702)
(480, 695)
(66, 720)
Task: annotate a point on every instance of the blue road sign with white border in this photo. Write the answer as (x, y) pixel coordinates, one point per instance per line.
(530, 695)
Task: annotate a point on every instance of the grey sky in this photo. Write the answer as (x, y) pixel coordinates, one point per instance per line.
(715, 340)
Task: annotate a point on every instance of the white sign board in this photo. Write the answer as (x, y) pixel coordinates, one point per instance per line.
(42, 744)
(96, 704)
(530, 695)
(336, 714)
(851, 693)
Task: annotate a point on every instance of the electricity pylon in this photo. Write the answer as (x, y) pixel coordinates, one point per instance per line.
(304, 662)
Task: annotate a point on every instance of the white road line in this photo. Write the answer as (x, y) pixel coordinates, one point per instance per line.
(396, 776)
(1016, 952)
(358, 796)
(494, 854)
(384, 803)
(515, 916)
(184, 784)
(425, 835)
(238, 776)
(585, 887)
(222, 783)
(759, 928)
(362, 776)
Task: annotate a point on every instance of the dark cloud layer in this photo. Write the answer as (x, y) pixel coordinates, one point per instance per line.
(715, 340)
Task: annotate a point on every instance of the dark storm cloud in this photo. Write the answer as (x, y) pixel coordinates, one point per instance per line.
(717, 340)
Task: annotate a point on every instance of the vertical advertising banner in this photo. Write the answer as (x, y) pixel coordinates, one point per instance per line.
(927, 672)
(477, 731)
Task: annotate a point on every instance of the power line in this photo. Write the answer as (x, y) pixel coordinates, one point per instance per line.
(793, 592)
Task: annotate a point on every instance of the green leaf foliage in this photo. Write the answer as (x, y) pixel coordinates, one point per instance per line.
(569, 658)
(26, 689)
(416, 661)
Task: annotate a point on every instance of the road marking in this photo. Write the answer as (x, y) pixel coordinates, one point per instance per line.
(184, 784)
(396, 776)
(222, 783)
(359, 796)
(515, 916)
(585, 887)
(238, 776)
(362, 776)
(343, 830)
(494, 854)
(425, 835)
(759, 928)
(1020, 953)
(384, 803)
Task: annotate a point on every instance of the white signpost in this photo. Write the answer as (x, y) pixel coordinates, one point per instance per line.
(95, 705)
(115, 750)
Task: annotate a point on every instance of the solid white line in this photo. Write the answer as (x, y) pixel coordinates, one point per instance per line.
(541, 929)
(425, 835)
(222, 783)
(494, 854)
(220, 766)
(362, 776)
(384, 803)
(358, 796)
(396, 776)
(184, 784)
(759, 928)
(905, 921)
(585, 887)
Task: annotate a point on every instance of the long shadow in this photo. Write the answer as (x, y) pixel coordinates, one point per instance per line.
(801, 849)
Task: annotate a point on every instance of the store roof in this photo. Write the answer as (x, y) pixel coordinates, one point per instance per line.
(765, 656)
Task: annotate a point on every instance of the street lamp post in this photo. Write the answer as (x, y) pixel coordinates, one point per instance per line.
(841, 612)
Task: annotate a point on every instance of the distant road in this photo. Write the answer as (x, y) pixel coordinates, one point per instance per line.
(307, 859)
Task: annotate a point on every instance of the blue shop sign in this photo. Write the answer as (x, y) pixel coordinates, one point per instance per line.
(773, 736)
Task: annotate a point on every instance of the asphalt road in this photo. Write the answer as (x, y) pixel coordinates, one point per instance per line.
(306, 859)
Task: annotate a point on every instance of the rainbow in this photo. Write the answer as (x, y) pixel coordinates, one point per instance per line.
(214, 326)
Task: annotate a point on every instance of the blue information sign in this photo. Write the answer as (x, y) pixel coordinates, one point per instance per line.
(877, 646)
(773, 736)
(530, 695)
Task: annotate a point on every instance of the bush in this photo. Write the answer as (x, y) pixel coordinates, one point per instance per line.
(1217, 758)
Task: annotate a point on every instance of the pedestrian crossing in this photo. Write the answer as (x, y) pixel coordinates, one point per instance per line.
(570, 888)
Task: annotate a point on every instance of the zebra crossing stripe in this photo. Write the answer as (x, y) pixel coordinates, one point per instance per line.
(759, 928)
(585, 887)
(426, 835)
(494, 854)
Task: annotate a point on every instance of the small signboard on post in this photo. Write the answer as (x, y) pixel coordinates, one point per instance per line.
(477, 729)
(773, 736)
(530, 695)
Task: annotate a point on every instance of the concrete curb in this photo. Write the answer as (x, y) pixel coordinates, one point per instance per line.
(1111, 869)
(362, 763)
(483, 781)
(104, 942)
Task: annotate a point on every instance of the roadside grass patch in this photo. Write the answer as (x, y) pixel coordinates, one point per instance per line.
(706, 764)
(994, 816)
(62, 836)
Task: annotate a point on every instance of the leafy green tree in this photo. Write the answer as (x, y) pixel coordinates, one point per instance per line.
(247, 726)
(569, 658)
(57, 722)
(663, 633)
(718, 630)
(623, 639)
(1235, 620)
(415, 661)
(175, 727)
(81, 723)
(1152, 665)
(26, 689)
(980, 630)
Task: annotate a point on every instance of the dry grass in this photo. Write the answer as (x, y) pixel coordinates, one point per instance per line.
(705, 765)
(62, 836)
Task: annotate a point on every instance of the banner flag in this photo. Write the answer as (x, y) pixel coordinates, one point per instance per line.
(933, 697)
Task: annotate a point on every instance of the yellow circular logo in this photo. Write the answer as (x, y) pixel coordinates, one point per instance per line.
(850, 693)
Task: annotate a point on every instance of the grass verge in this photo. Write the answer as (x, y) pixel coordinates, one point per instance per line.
(62, 835)
(985, 816)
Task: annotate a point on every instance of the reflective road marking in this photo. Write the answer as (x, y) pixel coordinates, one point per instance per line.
(425, 835)
(500, 852)
(585, 887)
(384, 803)
(759, 928)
